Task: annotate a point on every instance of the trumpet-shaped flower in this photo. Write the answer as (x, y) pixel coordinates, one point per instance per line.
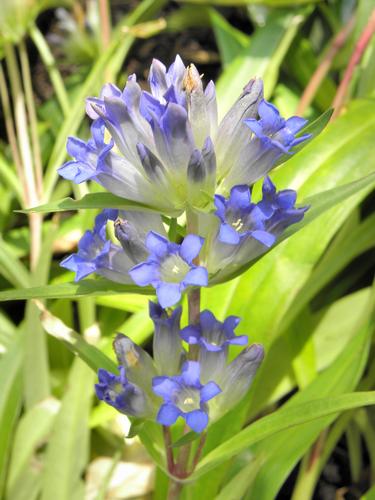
(167, 139)
(184, 396)
(118, 392)
(170, 268)
(98, 254)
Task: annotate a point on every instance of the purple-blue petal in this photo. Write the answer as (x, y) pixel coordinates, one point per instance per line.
(190, 373)
(157, 244)
(168, 414)
(168, 294)
(240, 197)
(190, 334)
(197, 420)
(144, 274)
(209, 391)
(264, 237)
(198, 276)
(190, 247)
(227, 234)
(165, 387)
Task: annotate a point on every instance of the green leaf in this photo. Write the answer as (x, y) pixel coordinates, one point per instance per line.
(10, 401)
(358, 241)
(90, 200)
(74, 290)
(283, 451)
(262, 58)
(229, 39)
(186, 439)
(281, 420)
(76, 343)
(27, 440)
(67, 451)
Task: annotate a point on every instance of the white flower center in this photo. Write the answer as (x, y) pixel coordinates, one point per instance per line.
(174, 269)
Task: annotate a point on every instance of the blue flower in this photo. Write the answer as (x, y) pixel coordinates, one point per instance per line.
(272, 137)
(169, 267)
(168, 139)
(279, 208)
(213, 335)
(118, 392)
(97, 254)
(184, 396)
(273, 131)
(246, 230)
(240, 218)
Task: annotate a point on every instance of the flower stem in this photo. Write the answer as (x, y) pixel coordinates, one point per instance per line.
(32, 198)
(198, 453)
(168, 448)
(11, 134)
(359, 49)
(30, 106)
(323, 68)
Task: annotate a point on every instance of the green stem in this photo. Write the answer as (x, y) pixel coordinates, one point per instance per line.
(11, 134)
(30, 105)
(32, 198)
(52, 69)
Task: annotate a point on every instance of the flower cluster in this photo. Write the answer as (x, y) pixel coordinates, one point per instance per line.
(197, 224)
(170, 385)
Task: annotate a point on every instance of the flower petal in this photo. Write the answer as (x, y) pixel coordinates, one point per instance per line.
(168, 294)
(165, 387)
(168, 414)
(228, 235)
(190, 247)
(144, 274)
(190, 334)
(190, 373)
(197, 420)
(157, 244)
(197, 276)
(209, 391)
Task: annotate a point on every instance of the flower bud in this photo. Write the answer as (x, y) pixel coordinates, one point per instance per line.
(167, 345)
(235, 381)
(139, 365)
(118, 392)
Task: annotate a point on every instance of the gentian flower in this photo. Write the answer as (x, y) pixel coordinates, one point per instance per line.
(98, 254)
(170, 268)
(240, 218)
(236, 378)
(279, 208)
(272, 137)
(246, 230)
(167, 140)
(118, 392)
(139, 366)
(213, 338)
(273, 131)
(184, 396)
(211, 334)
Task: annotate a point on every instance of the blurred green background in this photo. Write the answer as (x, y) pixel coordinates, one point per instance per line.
(310, 301)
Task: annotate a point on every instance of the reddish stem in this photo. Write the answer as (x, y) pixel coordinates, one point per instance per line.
(359, 49)
(168, 448)
(323, 68)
